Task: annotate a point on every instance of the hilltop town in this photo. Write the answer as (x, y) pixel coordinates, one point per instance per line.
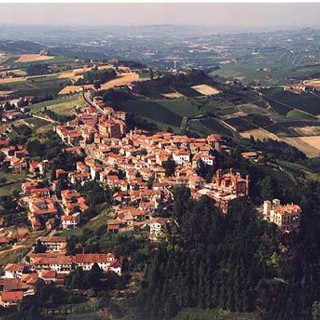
(183, 188)
(140, 171)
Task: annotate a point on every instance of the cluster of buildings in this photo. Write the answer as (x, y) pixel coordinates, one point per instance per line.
(46, 210)
(134, 163)
(287, 217)
(17, 156)
(53, 266)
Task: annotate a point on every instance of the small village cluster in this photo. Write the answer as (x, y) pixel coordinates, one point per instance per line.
(53, 266)
(133, 166)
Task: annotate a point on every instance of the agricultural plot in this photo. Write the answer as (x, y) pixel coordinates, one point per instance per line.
(240, 124)
(278, 107)
(208, 126)
(173, 95)
(151, 110)
(36, 86)
(33, 58)
(206, 89)
(258, 120)
(67, 107)
(282, 131)
(36, 123)
(181, 107)
(310, 148)
(295, 128)
(37, 108)
(298, 115)
(259, 134)
(62, 105)
(306, 102)
(187, 91)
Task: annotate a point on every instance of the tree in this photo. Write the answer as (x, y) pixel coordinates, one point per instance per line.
(169, 166)
(97, 85)
(267, 188)
(40, 247)
(93, 276)
(35, 148)
(151, 74)
(77, 280)
(316, 310)
(62, 184)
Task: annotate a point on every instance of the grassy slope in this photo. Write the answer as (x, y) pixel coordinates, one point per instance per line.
(57, 104)
(13, 183)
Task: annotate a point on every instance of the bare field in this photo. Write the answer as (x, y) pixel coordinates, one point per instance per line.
(11, 80)
(33, 57)
(259, 134)
(206, 90)
(173, 95)
(309, 145)
(122, 80)
(307, 130)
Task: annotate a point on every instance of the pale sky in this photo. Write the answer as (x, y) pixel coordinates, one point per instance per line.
(248, 15)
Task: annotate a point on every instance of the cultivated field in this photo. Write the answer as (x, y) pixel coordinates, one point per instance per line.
(67, 107)
(122, 80)
(259, 134)
(33, 58)
(77, 73)
(205, 89)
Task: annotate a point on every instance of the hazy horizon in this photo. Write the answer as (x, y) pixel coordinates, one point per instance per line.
(228, 15)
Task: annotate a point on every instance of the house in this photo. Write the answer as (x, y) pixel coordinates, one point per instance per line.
(14, 270)
(28, 186)
(157, 228)
(73, 202)
(106, 261)
(10, 299)
(51, 276)
(70, 222)
(43, 206)
(54, 244)
(181, 157)
(113, 225)
(40, 192)
(51, 261)
(205, 158)
(287, 217)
